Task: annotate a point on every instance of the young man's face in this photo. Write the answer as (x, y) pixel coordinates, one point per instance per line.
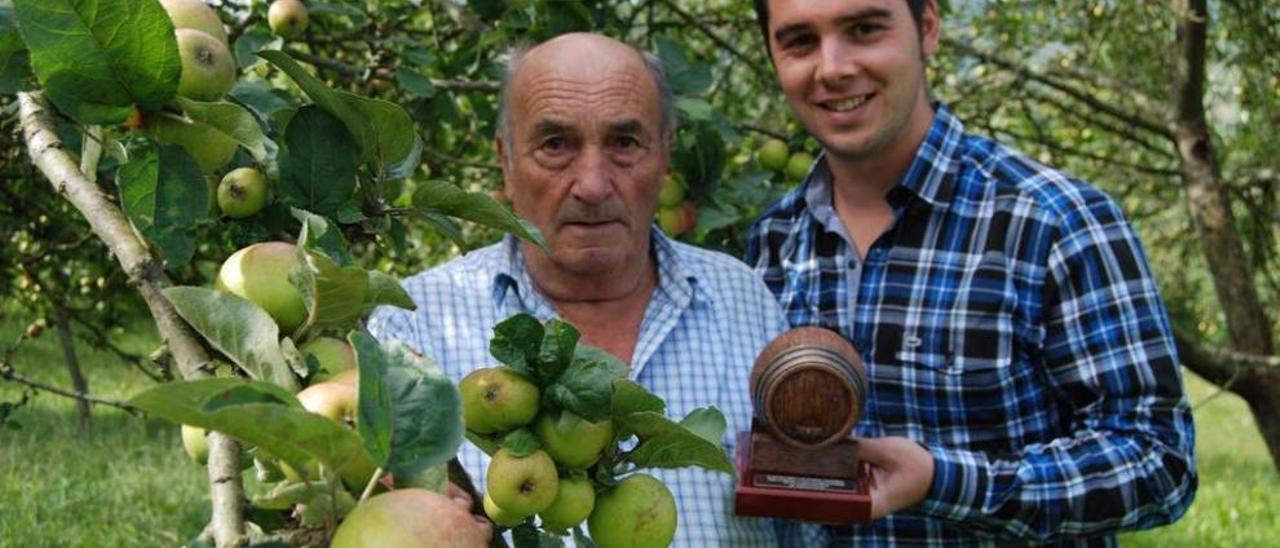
(853, 70)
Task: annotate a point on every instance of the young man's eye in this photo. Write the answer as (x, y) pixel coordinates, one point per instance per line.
(865, 30)
(799, 41)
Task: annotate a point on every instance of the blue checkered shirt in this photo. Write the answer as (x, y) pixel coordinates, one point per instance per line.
(1010, 324)
(706, 321)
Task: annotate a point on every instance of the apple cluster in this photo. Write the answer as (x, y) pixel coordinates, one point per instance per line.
(208, 68)
(774, 155)
(552, 481)
(676, 215)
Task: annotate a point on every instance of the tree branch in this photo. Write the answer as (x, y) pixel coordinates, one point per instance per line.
(709, 33)
(49, 155)
(352, 71)
(9, 373)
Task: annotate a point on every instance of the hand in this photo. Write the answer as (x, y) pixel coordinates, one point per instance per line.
(460, 496)
(901, 473)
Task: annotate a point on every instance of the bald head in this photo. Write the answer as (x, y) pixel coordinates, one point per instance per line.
(585, 59)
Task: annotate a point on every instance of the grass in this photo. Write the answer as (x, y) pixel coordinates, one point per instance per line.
(128, 483)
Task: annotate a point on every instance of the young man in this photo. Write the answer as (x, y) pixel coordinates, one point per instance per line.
(585, 126)
(1024, 382)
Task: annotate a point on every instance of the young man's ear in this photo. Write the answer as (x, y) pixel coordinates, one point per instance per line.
(930, 28)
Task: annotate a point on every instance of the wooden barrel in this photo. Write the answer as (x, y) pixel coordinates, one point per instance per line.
(808, 386)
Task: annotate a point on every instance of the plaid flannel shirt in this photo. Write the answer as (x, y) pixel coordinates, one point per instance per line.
(1010, 324)
(707, 319)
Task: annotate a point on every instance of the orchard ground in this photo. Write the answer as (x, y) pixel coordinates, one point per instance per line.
(129, 483)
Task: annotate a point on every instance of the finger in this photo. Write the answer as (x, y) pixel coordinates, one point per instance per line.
(484, 526)
(874, 451)
(458, 494)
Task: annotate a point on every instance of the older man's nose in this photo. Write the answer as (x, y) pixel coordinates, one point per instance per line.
(592, 176)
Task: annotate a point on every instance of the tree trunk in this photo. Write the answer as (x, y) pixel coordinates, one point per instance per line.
(111, 226)
(1248, 327)
(78, 382)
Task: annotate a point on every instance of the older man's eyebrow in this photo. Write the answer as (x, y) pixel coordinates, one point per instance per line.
(548, 127)
(627, 127)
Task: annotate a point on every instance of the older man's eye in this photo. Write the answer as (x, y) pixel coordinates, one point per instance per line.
(627, 142)
(555, 144)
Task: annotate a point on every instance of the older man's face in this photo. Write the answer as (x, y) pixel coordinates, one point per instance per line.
(586, 159)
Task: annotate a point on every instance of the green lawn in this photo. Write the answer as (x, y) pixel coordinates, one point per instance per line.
(129, 483)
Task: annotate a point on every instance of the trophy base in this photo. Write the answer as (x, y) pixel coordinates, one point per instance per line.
(824, 485)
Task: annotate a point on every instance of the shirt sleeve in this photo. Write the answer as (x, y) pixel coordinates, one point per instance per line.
(1108, 354)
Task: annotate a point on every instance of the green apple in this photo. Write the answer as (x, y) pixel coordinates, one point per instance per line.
(287, 18)
(522, 485)
(572, 441)
(350, 376)
(260, 273)
(195, 14)
(773, 155)
(671, 220)
(500, 516)
(210, 149)
(337, 401)
(672, 192)
(497, 399)
(638, 513)
(208, 69)
(410, 518)
(196, 444)
(573, 503)
(798, 166)
(242, 192)
(333, 355)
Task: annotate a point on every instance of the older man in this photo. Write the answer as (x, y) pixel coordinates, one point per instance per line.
(584, 131)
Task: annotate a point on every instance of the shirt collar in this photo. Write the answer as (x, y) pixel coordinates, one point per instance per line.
(511, 277)
(930, 177)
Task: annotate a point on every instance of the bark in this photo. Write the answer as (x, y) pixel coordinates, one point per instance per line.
(78, 382)
(109, 223)
(1248, 327)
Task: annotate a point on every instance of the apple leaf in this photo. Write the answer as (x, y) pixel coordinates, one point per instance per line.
(629, 397)
(558, 343)
(236, 327)
(434, 478)
(485, 443)
(526, 535)
(383, 131)
(287, 494)
(163, 192)
(517, 343)
(386, 289)
(707, 422)
(326, 506)
(521, 442)
(586, 387)
(317, 164)
(687, 77)
(666, 444)
(316, 237)
(14, 66)
(228, 121)
(436, 196)
(97, 59)
(415, 399)
(284, 430)
(334, 294)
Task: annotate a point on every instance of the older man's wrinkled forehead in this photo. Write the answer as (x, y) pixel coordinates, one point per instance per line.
(585, 75)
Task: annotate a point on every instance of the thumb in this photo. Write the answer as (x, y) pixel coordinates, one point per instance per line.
(873, 450)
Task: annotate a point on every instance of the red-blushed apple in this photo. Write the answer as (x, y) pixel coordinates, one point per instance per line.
(411, 518)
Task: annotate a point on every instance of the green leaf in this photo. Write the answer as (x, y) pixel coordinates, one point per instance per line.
(163, 192)
(287, 494)
(629, 397)
(14, 63)
(334, 295)
(317, 164)
(415, 83)
(707, 422)
(477, 207)
(286, 430)
(521, 442)
(228, 121)
(316, 237)
(699, 156)
(586, 387)
(435, 478)
(386, 289)
(423, 406)
(559, 341)
(254, 39)
(686, 77)
(235, 327)
(694, 108)
(517, 343)
(383, 131)
(211, 147)
(665, 444)
(96, 59)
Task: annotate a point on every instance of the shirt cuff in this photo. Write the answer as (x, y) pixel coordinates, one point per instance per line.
(960, 480)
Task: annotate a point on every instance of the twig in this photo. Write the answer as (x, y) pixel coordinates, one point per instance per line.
(709, 33)
(352, 71)
(8, 373)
